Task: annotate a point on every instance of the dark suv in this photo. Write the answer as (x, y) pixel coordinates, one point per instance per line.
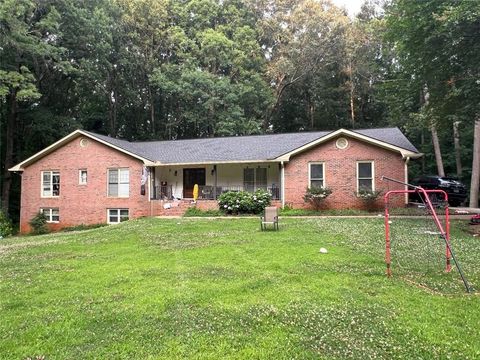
(456, 191)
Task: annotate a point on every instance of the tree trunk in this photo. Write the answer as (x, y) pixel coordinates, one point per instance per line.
(422, 143)
(8, 160)
(310, 105)
(436, 149)
(352, 93)
(435, 141)
(112, 113)
(456, 143)
(152, 111)
(475, 182)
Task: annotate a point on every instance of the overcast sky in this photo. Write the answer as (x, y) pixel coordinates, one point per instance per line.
(353, 6)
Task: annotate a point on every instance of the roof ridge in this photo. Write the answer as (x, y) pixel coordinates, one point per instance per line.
(239, 136)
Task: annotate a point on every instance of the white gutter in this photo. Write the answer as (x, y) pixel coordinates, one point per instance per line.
(407, 160)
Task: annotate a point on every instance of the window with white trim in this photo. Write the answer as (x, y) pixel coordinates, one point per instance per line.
(52, 214)
(118, 182)
(365, 176)
(50, 183)
(82, 177)
(254, 179)
(316, 174)
(116, 216)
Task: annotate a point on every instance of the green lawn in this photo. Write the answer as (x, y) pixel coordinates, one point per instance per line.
(222, 289)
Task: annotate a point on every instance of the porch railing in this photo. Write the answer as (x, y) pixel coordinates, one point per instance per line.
(206, 192)
(161, 192)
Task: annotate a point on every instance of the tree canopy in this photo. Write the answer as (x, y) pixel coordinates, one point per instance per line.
(173, 69)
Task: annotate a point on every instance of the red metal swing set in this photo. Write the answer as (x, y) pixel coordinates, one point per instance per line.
(444, 231)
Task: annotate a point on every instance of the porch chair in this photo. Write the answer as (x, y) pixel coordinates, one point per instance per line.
(270, 217)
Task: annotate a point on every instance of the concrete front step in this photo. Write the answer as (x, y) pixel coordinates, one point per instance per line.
(170, 208)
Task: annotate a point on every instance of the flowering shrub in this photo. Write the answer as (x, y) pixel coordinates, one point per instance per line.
(315, 195)
(368, 195)
(243, 202)
(369, 198)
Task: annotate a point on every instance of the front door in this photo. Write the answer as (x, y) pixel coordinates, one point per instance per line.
(190, 178)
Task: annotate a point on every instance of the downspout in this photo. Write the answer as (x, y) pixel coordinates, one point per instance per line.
(282, 185)
(407, 160)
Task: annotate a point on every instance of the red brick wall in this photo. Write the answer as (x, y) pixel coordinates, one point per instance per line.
(340, 173)
(81, 204)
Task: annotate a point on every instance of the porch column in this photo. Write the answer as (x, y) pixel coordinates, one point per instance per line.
(215, 182)
(282, 183)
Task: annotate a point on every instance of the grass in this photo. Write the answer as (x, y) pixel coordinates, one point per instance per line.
(222, 289)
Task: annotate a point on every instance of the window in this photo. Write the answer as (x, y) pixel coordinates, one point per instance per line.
(316, 175)
(254, 179)
(365, 175)
(116, 216)
(82, 177)
(50, 183)
(118, 182)
(52, 214)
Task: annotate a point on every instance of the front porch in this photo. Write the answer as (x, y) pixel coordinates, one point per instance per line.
(177, 182)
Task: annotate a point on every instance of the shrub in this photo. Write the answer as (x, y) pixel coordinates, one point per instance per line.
(368, 195)
(243, 202)
(194, 211)
(6, 228)
(369, 198)
(39, 224)
(315, 195)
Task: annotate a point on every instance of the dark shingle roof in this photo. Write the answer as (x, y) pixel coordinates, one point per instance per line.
(241, 148)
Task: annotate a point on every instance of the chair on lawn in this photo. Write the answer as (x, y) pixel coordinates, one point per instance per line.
(270, 217)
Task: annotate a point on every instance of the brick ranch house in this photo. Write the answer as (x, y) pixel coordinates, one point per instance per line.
(87, 178)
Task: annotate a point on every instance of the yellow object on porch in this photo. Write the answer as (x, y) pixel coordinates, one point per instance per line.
(195, 192)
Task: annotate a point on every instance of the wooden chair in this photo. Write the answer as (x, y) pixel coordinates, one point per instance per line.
(270, 217)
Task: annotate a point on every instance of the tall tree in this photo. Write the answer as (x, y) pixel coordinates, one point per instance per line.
(435, 44)
(301, 39)
(29, 50)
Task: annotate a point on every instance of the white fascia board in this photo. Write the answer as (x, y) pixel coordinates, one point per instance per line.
(49, 149)
(159, 164)
(405, 153)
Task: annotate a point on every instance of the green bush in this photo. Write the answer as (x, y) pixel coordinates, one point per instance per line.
(39, 224)
(243, 202)
(194, 212)
(368, 195)
(6, 228)
(315, 195)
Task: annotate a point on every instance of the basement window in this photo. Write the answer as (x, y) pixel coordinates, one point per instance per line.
(116, 216)
(52, 214)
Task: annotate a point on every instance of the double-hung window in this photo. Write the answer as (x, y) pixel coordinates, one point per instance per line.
(254, 179)
(316, 175)
(50, 183)
(52, 214)
(116, 216)
(365, 176)
(118, 182)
